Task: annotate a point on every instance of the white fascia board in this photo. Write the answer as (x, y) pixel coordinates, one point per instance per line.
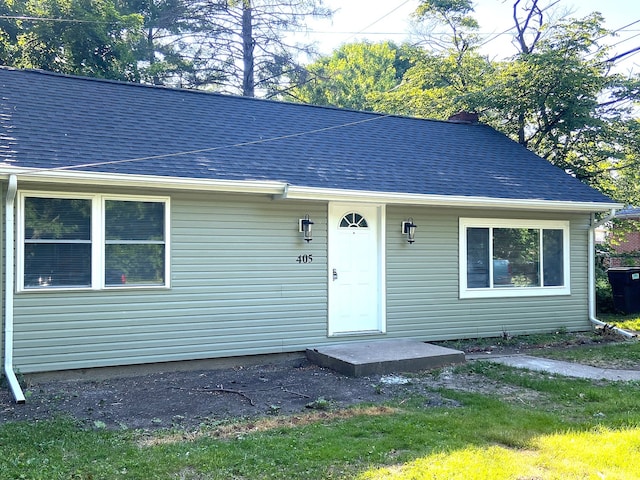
(282, 190)
(67, 177)
(309, 193)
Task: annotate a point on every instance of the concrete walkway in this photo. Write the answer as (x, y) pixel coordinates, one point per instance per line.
(562, 368)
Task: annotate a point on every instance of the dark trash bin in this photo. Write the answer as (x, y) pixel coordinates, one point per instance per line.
(625, 285)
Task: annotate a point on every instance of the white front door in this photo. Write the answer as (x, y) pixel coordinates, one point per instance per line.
(356, 269)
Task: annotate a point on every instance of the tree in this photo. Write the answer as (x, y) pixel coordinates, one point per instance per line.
(354, 76)
(558, 96)
(561, 100)
(165, 24)
(81, 37)
(441, 78)
(243, 42)
(438, 85)
(230, 45)
(456, 15)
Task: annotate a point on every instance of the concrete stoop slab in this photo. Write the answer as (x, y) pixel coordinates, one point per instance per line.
(360, 359)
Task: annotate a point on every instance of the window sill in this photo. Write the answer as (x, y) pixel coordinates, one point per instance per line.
(91, 289)
(514, 292)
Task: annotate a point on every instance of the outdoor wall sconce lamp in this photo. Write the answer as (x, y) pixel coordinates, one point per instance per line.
(409, 229)
(304, 227)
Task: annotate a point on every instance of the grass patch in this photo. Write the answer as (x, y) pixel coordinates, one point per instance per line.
(235, 430)
(625, 355)
(578, 403)
(602, 453)
(574, 429)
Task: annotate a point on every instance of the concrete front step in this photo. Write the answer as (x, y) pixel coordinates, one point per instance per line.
(360, 359)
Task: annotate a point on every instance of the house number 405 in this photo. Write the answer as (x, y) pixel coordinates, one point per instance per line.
(305, 258)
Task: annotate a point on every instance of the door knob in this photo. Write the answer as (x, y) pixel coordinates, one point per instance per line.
(335, 274)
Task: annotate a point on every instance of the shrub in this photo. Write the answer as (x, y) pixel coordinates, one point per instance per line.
(604, 294)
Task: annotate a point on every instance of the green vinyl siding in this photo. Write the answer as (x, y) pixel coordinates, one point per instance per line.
(422, 282)
(236, 289)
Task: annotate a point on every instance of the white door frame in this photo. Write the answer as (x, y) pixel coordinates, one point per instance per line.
(380, 263)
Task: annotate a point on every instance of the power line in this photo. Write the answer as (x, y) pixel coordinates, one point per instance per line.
(378, 20)
(210, 149)
(621, 55)
(48, 19)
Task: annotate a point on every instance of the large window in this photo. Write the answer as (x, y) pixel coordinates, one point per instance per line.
(92, 241)
(513, 258)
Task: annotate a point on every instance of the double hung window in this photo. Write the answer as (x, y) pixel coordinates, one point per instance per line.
(92, 241)
(513, 258)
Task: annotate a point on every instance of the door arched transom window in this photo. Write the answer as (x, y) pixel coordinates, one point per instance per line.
(353, 220)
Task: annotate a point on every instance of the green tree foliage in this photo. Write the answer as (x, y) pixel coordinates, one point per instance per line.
(82, 37)
(238, 46)
(563, 102)
(438, 85)
(159, 50)
(558, 96)
(354, 76)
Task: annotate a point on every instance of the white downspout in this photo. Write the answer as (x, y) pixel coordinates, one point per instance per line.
(8, 290)
(592, 277)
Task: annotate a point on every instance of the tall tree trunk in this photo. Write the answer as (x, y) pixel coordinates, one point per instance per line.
(151, 48)
(521, 126)
(248, 82)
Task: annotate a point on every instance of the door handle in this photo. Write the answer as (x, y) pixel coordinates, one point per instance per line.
(335, 274)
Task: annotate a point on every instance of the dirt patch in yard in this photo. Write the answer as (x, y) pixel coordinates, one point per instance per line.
(189, 399)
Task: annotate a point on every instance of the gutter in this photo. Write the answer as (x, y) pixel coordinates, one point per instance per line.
(9, 256)
(592, 278)
(283, 190)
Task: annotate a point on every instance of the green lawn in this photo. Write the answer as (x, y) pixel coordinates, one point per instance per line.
(547, 428)
(625, 355)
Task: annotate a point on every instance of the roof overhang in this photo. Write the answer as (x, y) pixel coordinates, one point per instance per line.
(306, 193)
(283, 190)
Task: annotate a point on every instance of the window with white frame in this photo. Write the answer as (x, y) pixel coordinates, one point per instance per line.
(92, 241)
(500, 258)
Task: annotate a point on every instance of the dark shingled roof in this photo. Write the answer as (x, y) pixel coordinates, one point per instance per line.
(49, 120)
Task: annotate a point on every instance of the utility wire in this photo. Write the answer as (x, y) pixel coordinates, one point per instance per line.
(621, 55)
(210, 149)
(378, 20)
(46, 19)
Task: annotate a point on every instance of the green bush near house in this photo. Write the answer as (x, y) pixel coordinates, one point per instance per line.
(604, 296)
(604, 293)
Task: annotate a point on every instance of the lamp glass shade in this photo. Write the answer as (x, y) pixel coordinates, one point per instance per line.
(306, 229)
(409, 229)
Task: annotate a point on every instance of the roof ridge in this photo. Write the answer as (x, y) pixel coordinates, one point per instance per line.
(37, 71)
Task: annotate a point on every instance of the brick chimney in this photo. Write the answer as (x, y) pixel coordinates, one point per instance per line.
(464, 117)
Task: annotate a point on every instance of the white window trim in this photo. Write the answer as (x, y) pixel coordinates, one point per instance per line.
(97, 239)
(466, 292)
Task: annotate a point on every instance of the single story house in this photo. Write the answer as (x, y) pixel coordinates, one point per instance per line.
(145, 224)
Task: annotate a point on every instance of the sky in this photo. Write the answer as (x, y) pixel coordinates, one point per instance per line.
(379, 20)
